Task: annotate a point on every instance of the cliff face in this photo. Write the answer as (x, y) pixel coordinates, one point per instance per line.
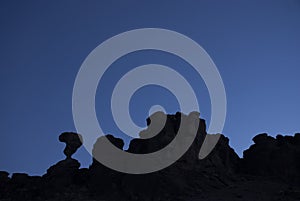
(269, 170)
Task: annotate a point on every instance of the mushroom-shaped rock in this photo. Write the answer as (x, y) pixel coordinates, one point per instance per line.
(73, 142)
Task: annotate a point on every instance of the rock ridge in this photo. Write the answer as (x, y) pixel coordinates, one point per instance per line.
(269, 170)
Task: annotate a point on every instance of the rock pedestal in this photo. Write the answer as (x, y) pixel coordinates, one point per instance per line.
(64, 173)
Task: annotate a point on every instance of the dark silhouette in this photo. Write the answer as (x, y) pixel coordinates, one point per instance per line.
(269, 170)
(73, 142)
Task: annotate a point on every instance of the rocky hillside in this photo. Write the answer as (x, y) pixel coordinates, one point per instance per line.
(269, 170)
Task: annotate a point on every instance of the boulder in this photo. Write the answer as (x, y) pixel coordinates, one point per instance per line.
(73, 142)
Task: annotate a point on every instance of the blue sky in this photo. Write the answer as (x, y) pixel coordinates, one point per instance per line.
(254, 44)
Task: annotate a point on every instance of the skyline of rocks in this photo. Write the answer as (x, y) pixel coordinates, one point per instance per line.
(269, 170)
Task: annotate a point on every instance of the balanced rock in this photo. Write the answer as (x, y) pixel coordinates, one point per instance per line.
(73, 142)
(63, 173)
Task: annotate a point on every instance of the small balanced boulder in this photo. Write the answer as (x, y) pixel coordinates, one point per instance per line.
(64, 173)
(73, 142)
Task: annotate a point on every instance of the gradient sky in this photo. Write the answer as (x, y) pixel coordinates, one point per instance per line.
(254, 44)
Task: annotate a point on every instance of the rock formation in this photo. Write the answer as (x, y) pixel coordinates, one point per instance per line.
(274, 157)
(64, 173)
(269, 170)
(73, 142)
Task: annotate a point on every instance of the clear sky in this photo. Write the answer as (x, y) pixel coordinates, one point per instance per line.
(254, 44)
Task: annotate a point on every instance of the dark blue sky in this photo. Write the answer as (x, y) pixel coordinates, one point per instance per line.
(255, 45)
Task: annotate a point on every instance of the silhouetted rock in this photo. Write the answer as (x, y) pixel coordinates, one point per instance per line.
(270, 169)
(263, 139)
(21, 187)
(103, 180)
(4, 177)
(188, 174)
(63, 174)
(4, 180)
(278, 157)
(73, 142)
(173, 180)
(222, 161)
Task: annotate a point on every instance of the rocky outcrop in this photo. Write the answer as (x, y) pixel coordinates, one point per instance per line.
(189, 174)
(102, 180)
(275, 157)
(270, 166)
(4, 181)
(73, 142)
(65, 173)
